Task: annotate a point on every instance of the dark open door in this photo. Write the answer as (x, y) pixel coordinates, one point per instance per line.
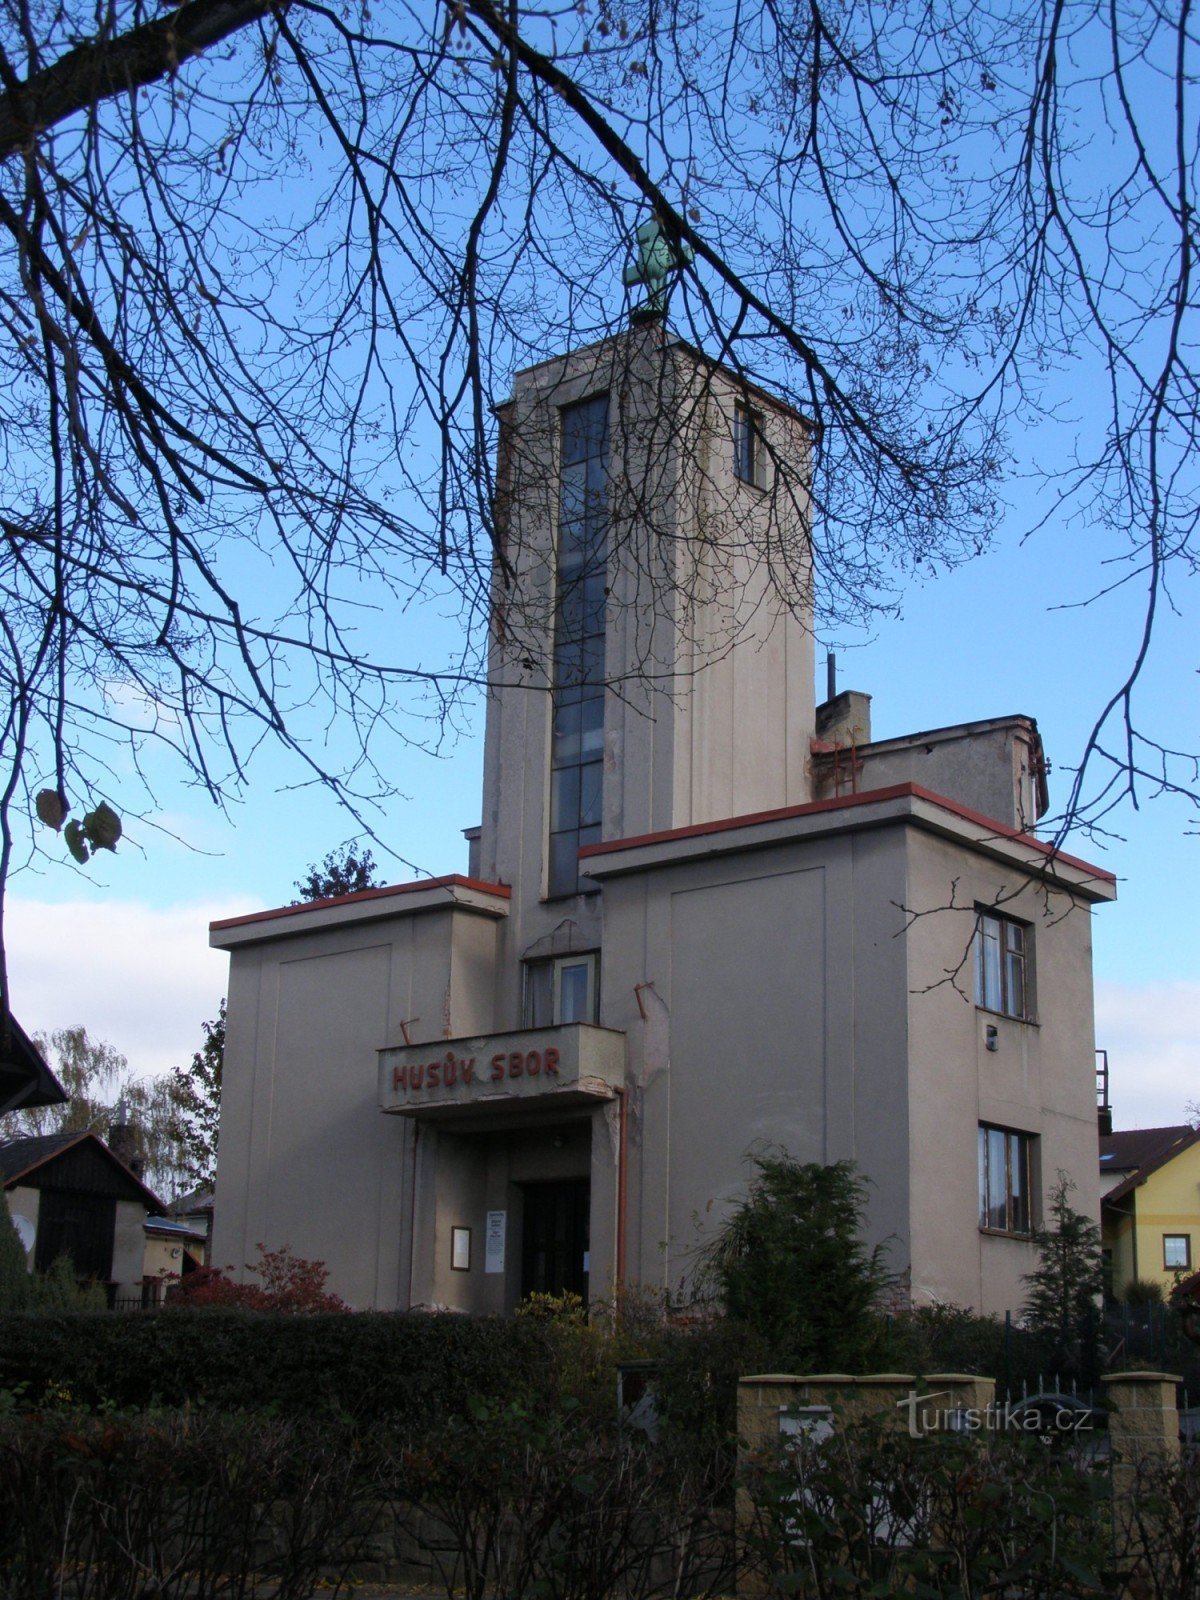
(554, 1238)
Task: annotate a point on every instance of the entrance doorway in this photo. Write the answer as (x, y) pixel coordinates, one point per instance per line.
(554, 1238)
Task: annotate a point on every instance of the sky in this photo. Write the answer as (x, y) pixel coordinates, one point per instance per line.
(121, 945)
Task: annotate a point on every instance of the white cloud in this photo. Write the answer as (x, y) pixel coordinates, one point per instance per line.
(1152, 1035)
(141, 978)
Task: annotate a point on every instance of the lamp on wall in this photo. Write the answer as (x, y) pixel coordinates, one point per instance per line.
(992, 1036)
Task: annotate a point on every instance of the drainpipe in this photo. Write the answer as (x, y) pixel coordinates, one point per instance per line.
(622, 1185)
(412, 1212)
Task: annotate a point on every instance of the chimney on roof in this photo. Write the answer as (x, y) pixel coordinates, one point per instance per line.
(123, 1140)
(845, 718)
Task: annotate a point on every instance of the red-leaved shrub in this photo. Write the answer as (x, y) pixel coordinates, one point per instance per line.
(288, 1283)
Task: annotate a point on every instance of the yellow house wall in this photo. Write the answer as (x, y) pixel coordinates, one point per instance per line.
(1118, 1238)
(1168, 1202)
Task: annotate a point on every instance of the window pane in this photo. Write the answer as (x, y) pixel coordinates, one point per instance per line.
(988, 985)
(564, 862)
(591, 793)
(573, 991)
(997, 1186)
(1018, 1171)
(565, 746)
(1176, 1251)
(1014, 997)
(983, 1183)
(585, 427)
(564, 799)
(592, 729)
(539, 997)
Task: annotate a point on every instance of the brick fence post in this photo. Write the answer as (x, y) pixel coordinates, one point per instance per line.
(764, 1397)
(1143, 1438)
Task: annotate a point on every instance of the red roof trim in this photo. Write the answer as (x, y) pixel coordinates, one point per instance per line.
(896, 791)
(452, 880)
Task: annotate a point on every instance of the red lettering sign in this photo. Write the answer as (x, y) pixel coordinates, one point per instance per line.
(446, 1074)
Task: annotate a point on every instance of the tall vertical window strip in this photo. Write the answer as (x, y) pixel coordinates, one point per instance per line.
(577, 738)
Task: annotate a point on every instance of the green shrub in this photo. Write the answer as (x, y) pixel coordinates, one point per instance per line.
(790, 1263)
(1143, 1292)
(870, 1510)
(417, 1365)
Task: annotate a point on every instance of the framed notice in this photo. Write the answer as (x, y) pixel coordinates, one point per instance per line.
(460, 1249)
(493, 1245)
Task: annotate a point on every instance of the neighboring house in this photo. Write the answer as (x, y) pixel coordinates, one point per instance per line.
(1150, 1204)
(69, 1195)
(173, 1249)
(702, 914)
(195, 1210)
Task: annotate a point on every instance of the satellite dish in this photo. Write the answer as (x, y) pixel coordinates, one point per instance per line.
(26, 1232)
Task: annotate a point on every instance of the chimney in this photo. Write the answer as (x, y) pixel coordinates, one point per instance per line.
(846, 718)
(123, 1140)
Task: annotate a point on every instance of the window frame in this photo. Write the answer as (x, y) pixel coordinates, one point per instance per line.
(1021, 1143)
(994, 985)
(749, 446)
(1178, 1266)
(555, 966)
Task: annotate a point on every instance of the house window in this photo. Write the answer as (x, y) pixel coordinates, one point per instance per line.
(1003, 952)
(749, 453)
(580, 603)
(1177, 1252)
(566, 989)
(1005, 1168)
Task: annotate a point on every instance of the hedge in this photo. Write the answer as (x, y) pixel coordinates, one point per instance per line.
(415, 1364)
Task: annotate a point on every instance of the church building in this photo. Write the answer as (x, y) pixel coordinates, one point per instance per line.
(702, 915)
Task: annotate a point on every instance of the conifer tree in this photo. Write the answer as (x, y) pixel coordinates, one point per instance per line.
(791, 1263)
(1063, 1300)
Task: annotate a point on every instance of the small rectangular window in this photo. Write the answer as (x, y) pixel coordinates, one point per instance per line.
(1005, 1180)
(1002, 965)
(1177, 1252)
(564, 989)
(749, 454)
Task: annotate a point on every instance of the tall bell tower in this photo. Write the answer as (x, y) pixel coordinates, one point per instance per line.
(651, 660)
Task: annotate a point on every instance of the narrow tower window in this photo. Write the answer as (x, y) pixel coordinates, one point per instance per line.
(580, 598)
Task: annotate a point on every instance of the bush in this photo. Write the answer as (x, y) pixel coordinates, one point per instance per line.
(185, 1506)
(1143, 1292)
(790, 1264)
(56, 1290)
(872, 1511)
(417, 1365)
(289, 1283)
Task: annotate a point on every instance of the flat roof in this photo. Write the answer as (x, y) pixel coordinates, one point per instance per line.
(365, 905)
(899, 802)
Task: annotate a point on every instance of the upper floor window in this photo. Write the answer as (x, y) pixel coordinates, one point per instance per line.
(564, 989)
(1003, 950)
(1005, 1180)
(749, 451)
